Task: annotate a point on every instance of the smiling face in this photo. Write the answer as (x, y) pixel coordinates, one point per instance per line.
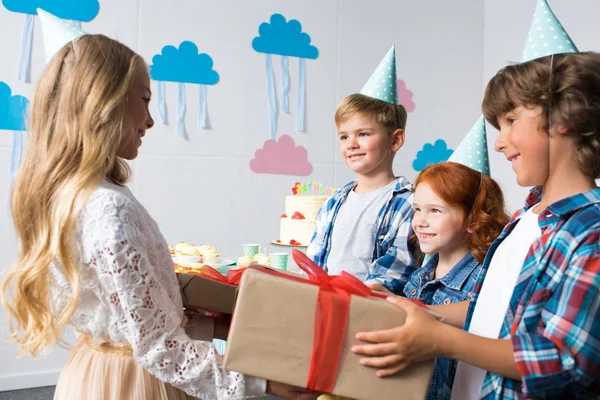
(525, 145)
(138, 117)
(439, 226)
(365, 145)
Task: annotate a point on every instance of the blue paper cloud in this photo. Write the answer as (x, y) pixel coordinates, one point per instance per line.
(432, 154)
(183, 65)
(284, 38)
(78, 10)
(13, 110)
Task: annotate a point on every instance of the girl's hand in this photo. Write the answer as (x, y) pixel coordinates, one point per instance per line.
(394, 350)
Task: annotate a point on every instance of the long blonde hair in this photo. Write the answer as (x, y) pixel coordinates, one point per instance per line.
(77, 116)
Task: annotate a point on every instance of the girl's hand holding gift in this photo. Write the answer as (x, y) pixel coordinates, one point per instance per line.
(394, 350)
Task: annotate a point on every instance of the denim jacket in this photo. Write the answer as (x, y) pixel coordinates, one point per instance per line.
(457, 285)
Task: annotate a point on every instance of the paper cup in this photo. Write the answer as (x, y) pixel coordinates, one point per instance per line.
(278, 260)
(250, 250)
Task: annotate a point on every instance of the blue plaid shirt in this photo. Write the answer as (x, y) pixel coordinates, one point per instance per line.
(392, 262)
(553, 319)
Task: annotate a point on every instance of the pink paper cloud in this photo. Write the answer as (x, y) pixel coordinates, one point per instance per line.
(281, 157)
(405, 96)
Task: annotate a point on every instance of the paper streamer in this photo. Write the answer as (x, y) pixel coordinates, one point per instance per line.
(301, 104)
(16, 153)
(202, 106)
(272, 98)
(181, 110)
(26, 42)
(285, 84)
(162, 105)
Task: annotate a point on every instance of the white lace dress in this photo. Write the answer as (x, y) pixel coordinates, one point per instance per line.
(129, 293)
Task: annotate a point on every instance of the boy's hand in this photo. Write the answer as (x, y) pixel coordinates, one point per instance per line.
(378, 287)
(395, 349)
(286, 391)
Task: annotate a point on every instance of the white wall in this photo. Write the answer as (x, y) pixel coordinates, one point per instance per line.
(202, 190)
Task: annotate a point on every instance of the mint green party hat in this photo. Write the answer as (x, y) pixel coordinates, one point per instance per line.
(56, 33)
(382, 84)
(546, 35)
(472, 151)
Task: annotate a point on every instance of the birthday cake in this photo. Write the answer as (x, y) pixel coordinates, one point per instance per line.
(299, 221)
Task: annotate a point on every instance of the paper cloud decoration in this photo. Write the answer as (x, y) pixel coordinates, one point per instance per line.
(13, 114)
(78, 10)
(183, 65)
(405, 97)
(432, 154)
(285, 38)
(281, 157)
(13, 110)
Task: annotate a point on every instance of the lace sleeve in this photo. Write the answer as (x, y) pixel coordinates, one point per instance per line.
(150, 321)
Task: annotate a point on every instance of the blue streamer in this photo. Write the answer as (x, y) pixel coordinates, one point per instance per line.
(162, 105)
(220, 346)
(16, 154)
(202, 106)
(301, 104)
(76, 24)
(272, 98)
(285, 85)
(181, 111)
(26, 42)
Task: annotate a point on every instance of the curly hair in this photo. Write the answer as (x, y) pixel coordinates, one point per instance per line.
(566, 88)
(477, 195)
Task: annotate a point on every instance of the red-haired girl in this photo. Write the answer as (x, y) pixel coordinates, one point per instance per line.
(459, 212)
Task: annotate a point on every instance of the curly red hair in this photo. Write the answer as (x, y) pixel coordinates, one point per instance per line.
(477, 195)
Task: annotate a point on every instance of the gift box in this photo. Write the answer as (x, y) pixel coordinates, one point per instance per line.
(207, 293)
(300, 332)
(207, 290)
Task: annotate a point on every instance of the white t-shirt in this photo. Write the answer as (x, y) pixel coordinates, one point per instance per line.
(494, 298)
(354, 230)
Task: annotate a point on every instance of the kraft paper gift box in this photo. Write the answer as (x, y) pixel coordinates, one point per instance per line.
(208, 294)
(209, 290)
(272, 336)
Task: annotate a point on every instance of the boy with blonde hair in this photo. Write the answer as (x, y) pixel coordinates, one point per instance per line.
(364, 227)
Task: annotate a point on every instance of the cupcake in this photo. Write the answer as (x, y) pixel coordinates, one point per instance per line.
(210, 255)
(244, 261)
(261, 259)
(186, 253)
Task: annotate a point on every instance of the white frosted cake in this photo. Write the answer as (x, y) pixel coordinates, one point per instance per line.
(300, 219)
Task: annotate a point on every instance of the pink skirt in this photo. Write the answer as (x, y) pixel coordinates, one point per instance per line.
(109, 372)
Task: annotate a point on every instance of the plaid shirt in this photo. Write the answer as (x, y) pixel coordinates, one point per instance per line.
(553, 318)
(392, 262)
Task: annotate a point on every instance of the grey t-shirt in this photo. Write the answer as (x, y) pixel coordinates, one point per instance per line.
(354, 230)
